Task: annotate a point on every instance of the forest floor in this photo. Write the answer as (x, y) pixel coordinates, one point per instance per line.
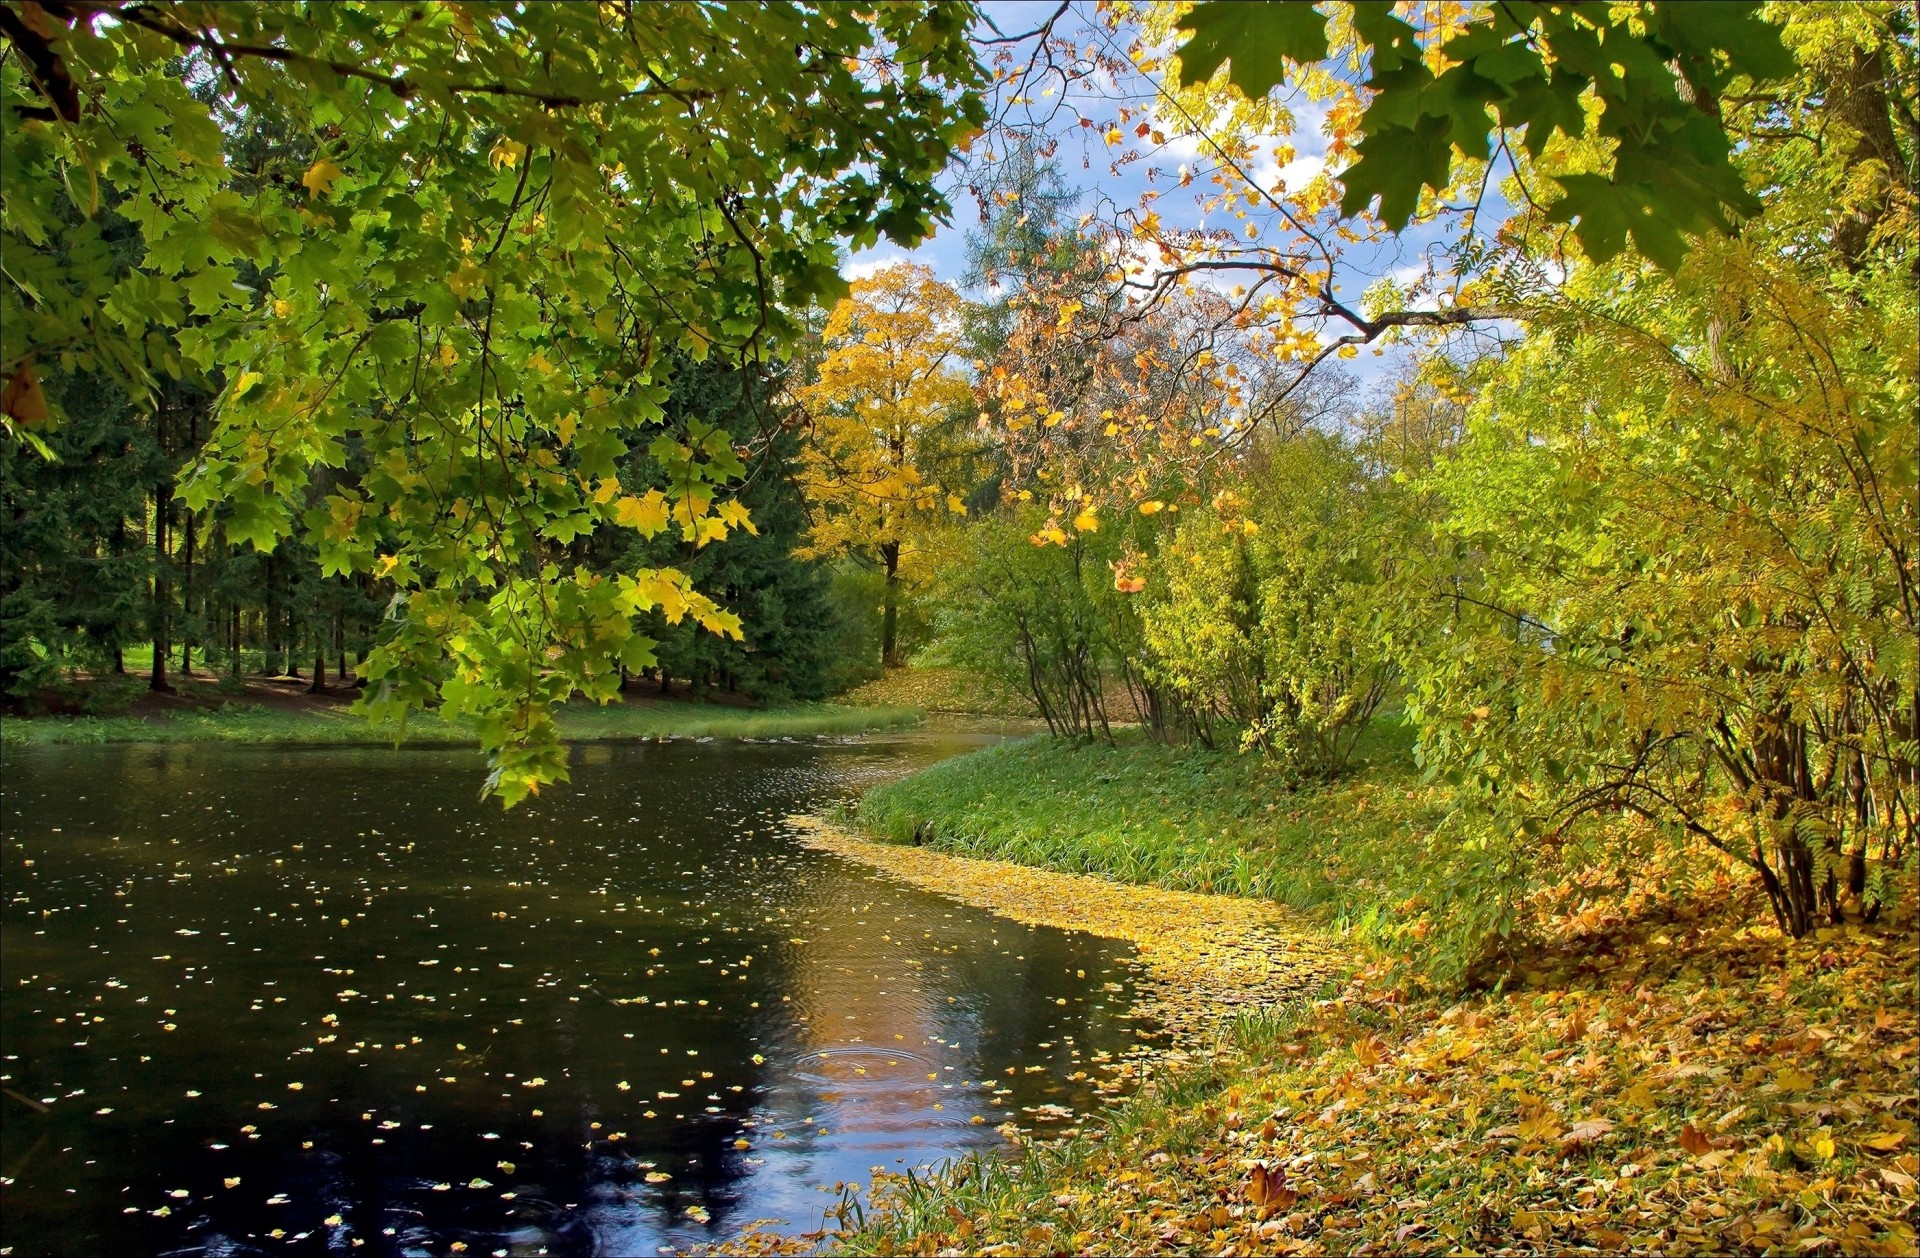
(282, 710)
(1660, 1073)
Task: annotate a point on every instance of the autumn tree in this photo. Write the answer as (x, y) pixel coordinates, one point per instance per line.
(1687, 504)
(883, 424)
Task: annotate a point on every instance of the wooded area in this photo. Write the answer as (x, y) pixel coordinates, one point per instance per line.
(1499, 416)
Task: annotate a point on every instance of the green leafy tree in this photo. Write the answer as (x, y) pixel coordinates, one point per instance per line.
(1645, 77)
(513, 216)
(1682, 581)
(1273, 609)
(73, 567)
(789, 632)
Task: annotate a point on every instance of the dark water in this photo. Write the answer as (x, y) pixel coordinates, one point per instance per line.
(326, 1000)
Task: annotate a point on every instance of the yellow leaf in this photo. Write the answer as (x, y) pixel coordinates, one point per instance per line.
(726, 624)
(647, 514)
(1886, 1141)
(1152, 506)
(735, 514)
(507, 153)
(1088, 521)
(320, 177)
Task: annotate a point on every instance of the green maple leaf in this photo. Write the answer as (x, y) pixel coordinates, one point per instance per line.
(1257, 38)
(1394, 163)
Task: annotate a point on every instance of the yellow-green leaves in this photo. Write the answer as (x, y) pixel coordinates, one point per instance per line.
(320, 177)
(448, 284)
(648, 514)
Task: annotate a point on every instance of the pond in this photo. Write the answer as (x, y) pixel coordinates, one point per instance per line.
(328, 1000)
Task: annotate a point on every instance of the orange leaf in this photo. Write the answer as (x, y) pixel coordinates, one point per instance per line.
(1695, 1141)
(22, 401)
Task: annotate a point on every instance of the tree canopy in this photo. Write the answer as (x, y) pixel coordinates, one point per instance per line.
(506, 219)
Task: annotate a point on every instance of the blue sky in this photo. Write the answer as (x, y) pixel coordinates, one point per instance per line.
(1087, 165)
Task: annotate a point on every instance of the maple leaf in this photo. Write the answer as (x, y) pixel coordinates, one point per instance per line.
(1585, 1132)
(320, 177)
(647, 514)
(1257, 39)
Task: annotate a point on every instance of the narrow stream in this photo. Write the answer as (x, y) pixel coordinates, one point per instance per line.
(263, 1000)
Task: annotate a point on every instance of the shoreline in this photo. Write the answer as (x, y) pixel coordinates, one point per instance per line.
(1201, 957)
(336, 727)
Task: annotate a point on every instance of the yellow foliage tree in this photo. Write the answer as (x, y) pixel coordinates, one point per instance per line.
(880, 421)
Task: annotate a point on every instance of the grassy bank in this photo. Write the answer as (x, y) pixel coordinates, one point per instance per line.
(1658, 1074)
(334, 724)
(1190, 819)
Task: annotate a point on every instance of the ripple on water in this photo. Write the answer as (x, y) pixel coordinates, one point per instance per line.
(323, 995)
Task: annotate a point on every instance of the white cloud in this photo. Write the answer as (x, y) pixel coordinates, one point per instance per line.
(1292, 177)
(871, 264)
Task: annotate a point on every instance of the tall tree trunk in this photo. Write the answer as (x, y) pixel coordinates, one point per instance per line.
(319, 684)
(270, 623)
(118, 547)
(162, 593)
(186, 601)
(890, 606)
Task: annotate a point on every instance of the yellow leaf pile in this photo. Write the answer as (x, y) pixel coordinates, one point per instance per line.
(1201, 957)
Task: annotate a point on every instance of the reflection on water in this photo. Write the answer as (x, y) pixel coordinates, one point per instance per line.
(322, 999)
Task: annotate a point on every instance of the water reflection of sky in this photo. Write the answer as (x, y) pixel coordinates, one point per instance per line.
(270, 998)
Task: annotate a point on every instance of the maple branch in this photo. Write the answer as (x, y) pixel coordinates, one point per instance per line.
(149, 18)
(1044, 29)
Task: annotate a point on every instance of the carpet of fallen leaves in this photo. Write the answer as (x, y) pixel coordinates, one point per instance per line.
(1683, 1084)
(1200, 957)
(938, 690)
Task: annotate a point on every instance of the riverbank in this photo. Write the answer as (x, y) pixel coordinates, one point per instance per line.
(1200, 957)
(1185, 819)
(329, 721)
(1664, 1077)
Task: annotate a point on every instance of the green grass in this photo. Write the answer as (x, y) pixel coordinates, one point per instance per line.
(1186, 818)
(237, 722)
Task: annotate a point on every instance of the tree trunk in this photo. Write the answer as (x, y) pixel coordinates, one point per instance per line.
(890, 607)
(319, 685)
(186, 601)
(270, 624)
(162, 593)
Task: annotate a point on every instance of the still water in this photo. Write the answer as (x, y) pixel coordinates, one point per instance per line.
(315, 1000)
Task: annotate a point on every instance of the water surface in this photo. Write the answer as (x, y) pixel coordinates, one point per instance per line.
(327, 1000)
